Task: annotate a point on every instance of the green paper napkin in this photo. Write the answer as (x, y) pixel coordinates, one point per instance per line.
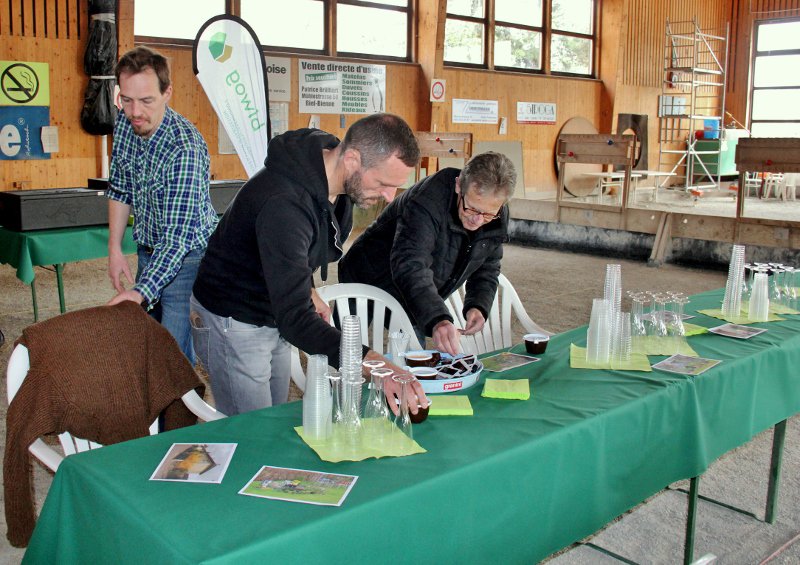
(458, 405)
(740, 319)
(577, 360)
(396, 444)
(519, 389)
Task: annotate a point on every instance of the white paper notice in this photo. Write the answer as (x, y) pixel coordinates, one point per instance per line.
(50, 139)
(332, 87)
(475, 111)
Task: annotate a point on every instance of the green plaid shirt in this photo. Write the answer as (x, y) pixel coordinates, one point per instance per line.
(165, 180)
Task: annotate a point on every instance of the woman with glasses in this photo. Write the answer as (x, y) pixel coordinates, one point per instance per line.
(446, 230)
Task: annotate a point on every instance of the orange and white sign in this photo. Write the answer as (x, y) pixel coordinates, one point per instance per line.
(438, 89)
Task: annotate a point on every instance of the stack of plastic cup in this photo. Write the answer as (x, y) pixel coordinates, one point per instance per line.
(759, 299)
(622, 340)
(350, 349)
(317, 402)
(598, 336)
(791, 281)
(398, 345)
(613, 294)
(732, 303)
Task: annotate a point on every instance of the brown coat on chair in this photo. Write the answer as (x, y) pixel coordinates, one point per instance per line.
(103, 374)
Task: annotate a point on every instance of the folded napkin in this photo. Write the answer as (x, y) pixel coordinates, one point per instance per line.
(519, 389)
(652, 345)
(449, 405)
(336, 449)
(694, 329)
(742, 318)
(577, 360)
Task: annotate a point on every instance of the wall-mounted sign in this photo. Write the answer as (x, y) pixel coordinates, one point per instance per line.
(23, 83)
(21, 132)
(438, 89)
(536, 113)
(332, 87)
(475, 111)
(279, 78)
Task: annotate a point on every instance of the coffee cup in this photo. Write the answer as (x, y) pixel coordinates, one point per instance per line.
(422, 358)
(535, 344)
(422, 412)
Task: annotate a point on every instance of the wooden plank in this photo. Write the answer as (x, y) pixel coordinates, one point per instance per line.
(50, 22)
(26, 14)
(768, 155)
(61, 16)
(5, 18)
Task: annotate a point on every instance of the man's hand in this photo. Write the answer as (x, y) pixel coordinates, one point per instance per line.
(446, 337)
(320, 306)
(391, 389)
(117, 268)
(132, 295)
(475, 321)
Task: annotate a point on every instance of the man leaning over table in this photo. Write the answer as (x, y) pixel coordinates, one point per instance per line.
(160, 172)
(254, 291)
(447, 229)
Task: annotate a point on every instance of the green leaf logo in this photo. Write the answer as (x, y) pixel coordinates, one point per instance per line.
(218, 49)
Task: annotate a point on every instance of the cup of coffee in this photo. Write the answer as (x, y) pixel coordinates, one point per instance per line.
(422, 412)
(424, 373)
(422, 358)
(535, 344)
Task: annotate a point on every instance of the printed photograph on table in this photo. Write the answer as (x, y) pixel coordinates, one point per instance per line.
(686, 365)
(506, 361)
(195, 462)
(736, 330)
(300, 485)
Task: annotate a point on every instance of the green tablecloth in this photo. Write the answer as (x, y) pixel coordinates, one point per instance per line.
(511, 484)
(26, 250)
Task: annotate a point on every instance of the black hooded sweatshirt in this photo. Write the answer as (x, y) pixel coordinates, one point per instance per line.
(279, 229)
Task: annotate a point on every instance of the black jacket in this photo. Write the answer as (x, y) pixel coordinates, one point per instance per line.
(419, 252)
(279, 229)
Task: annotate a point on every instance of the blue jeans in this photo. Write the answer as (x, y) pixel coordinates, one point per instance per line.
(172, 309)
(249, 366)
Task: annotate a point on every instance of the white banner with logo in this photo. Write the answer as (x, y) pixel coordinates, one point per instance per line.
(229, 64)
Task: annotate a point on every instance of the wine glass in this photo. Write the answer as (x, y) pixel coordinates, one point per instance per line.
(403, 418)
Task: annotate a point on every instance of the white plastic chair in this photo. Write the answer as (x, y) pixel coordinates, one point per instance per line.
(18, 367)
(384, 306)
(774, 184)
(496, 334)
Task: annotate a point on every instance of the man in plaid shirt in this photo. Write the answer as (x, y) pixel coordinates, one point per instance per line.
(160, 173)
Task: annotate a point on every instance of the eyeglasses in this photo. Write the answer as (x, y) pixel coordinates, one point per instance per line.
(473, 212)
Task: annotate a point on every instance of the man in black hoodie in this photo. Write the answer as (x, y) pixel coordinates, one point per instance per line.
(254, 291)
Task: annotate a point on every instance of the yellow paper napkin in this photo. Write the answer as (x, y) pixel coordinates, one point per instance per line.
(741, 319)
(652, 345)
(694, 329)
(502, 388)
(458, 405)
(577, 360)
(336, 449)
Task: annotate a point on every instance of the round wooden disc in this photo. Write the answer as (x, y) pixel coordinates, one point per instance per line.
(574, 182)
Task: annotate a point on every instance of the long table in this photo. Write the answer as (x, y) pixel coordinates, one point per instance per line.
(512, 484)
(28, 249)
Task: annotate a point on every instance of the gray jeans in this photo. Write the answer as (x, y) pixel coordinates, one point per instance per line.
(249, 366)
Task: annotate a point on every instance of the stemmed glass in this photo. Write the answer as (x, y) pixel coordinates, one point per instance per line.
(674, 322)
(403, 418)
(376, 412)
(660, 300)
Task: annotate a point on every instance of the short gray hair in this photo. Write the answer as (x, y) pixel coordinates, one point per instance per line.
(490, 174)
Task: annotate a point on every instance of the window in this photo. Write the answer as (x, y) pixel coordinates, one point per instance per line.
(775, 92)
(524, 36)
(364, 28)
(176, 19)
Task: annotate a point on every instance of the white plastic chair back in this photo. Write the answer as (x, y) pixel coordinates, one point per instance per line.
(18, 367)
(496, 334)
(384, 306)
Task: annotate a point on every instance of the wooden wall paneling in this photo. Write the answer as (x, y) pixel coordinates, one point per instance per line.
(40, 18)
(50, 19)
(62, 15)
(26, 16)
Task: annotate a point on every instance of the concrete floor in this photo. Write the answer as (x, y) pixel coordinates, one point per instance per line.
(556, 289)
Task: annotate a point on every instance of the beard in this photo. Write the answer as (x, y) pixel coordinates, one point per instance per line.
(355, 191)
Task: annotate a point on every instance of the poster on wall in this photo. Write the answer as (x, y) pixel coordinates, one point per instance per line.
(331, 87)
(474, 111)
(279, 78)
(536, 113)
(20, 132)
